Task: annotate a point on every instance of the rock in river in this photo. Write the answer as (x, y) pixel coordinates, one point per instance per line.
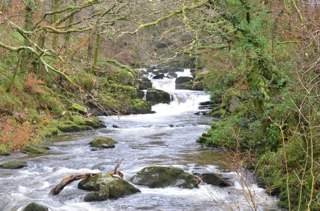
(35, 207)
(105, 186)
(103, 142)
(160, 177)
(13, 165)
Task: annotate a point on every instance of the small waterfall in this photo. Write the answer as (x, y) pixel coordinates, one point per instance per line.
(182, 100)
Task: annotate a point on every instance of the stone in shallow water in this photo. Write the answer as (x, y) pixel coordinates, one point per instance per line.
(160, 177)
(13, 165)
(35, 207)
(214, 179)
(103, 142)
(106, 186)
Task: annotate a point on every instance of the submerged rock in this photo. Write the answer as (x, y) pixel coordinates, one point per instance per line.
(33, 149)
(13, 165)
(35, 207)
(103, 142)
(106, 186)
(160, 177)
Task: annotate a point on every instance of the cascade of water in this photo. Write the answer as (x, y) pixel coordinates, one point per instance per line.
(182, 100)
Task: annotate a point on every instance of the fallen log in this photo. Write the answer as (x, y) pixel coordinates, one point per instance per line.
(66, 181)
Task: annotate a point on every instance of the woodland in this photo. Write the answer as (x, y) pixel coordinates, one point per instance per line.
(63, 62)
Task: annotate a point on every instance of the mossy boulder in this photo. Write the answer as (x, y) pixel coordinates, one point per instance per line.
(103, 142)
(139, 106)
(184, 82)
(145, 83)
(155, 96)
(74, 123)
(13, 165)
(160, 177)
(106, 186)
(35, 207)
(34, 149)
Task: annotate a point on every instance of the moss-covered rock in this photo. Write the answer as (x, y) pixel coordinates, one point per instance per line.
(13, 165)
(103, 142)
(155, 96)
(106, 186)
(145, 83)
(33, 149)
(160, 177)
(35, 207)
(75, 123)
(139, 106)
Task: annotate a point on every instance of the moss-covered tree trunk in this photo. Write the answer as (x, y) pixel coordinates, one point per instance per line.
(68, 35)
(55, 7)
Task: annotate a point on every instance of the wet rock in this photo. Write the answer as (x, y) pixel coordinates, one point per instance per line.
(207, 105)
(160, 177)
(4, 153)
(214, 179)
(103, 142)
(158, 76)
(35, 207)
(145, 83)
(33, 149)
(13, 165)
(140, 94)
(106, 186)
(155, 96)
(184, 82)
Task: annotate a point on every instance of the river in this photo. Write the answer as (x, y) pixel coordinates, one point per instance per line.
(166, 138)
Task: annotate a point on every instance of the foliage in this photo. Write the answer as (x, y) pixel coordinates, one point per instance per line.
(275, 116)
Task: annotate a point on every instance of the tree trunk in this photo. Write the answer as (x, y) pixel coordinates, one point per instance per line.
(55, 17)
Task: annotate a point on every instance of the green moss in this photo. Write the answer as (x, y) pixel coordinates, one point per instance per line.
(139, 106)
(103, 142)
(85, 80)
(33, 149)
(13, 165)
(78, 108)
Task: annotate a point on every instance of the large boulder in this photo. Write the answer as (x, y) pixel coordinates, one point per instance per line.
(35, 207)
(105, 186)
(13, 165)
(160, 177)
(184, 82)
(155, 96)
(103, 142)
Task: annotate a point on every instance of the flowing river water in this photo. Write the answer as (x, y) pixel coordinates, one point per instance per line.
(165, 138)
